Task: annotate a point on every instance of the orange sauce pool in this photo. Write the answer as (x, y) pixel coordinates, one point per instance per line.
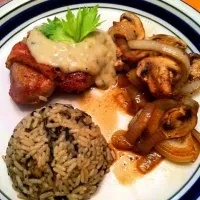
(129, 166)
(104, 109)
(125, 167)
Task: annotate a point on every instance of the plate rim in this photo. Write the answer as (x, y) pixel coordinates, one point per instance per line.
(184, 189)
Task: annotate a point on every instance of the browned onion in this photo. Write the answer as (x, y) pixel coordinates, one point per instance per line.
(165, 104)
(182, 149)
(125, 140)
(134, 79)
(191, 102)
(148, 162)
(190, 87)
(137, 127)
(146, 143)
(119, 141)
(154, 121)
(175, 122)
(139, 98)
(167, 50)
(196, 134)
(150, 136)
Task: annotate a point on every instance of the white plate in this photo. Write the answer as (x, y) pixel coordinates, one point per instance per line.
(168, 180)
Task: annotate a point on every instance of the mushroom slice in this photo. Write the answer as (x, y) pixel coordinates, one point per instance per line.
(160, 73)
(184, 149)
(121, 65)
(129, 27)
(177, 54)
(179, 121)
(193, 85)
(135, 20)
(132, 56)
(124, 28)
(195, 66)
(170, 40)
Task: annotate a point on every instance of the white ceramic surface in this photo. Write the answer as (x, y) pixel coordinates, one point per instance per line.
(160, 184)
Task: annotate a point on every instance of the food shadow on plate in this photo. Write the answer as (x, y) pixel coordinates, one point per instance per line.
(58, 96)
(64, 97)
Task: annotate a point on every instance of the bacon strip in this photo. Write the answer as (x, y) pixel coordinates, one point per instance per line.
(69, 82)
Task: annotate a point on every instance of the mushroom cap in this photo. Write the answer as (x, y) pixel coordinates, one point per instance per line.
(129, 27)
(195, 66)
(160, 73)
(179, 121)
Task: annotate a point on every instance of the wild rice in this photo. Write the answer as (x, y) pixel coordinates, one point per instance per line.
(57, 152)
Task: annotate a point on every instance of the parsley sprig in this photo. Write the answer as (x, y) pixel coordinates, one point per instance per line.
(73, 28)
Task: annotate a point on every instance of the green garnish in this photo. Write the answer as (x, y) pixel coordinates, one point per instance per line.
(74, 28)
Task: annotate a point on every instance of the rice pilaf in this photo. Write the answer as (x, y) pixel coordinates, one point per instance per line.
(57, 152)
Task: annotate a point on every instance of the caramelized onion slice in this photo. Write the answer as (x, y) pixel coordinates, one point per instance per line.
(134, 79)
(147, 142)
(182, 149)
(154, 122)
(119, 141)
(139, 98)
(175, 122)
(190, 87)
(196, 134)
(136, 128)
(167, 50)
(130, 56)
(165, 104)
(170, 40)
(148, 162)
(190, 102)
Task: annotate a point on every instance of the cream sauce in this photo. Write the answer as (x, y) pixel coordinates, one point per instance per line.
(95, 55)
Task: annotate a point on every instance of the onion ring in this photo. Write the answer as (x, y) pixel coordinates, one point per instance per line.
(181, 150)
(196, 134)
(190, 87)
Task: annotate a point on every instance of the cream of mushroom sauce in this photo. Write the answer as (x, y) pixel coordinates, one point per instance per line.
(95, 55)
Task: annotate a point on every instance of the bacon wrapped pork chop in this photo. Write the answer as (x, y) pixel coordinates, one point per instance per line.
(54, 53)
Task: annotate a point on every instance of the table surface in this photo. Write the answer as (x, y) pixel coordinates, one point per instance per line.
(194, 3)
(194, 192)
